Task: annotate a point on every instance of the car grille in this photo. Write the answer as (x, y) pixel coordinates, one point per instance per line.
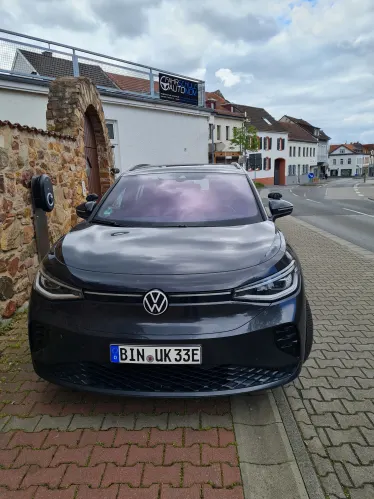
(175, 299)
(164, 379)
(287, 340)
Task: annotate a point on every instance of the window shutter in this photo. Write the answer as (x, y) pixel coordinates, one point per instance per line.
(269, 165)
(260, 142)
(270, 143)
(283, 144)
(279, 145)
(264, 162)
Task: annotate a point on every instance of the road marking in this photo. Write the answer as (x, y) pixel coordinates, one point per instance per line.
(312, 201)
(359, 212)
(294, 194)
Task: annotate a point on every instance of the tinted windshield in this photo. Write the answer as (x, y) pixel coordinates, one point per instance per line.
(187, 198)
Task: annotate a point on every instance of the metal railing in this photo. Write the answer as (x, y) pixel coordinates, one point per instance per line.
(39, 59)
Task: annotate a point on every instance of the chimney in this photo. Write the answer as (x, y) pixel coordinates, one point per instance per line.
(47, 53)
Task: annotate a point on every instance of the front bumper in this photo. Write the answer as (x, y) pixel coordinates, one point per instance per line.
(263, 353)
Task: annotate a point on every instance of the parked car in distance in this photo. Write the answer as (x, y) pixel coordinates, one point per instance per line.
(176, 284)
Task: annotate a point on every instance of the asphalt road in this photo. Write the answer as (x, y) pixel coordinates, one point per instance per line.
(341, 207)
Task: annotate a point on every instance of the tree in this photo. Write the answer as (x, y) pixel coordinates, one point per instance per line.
(246, 138)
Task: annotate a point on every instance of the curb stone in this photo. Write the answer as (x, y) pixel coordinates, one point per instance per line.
(271, 469)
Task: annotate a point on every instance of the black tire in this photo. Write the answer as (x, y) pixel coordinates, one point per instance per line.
(309, 331)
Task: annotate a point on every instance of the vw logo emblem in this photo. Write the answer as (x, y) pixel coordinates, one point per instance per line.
(155, 302)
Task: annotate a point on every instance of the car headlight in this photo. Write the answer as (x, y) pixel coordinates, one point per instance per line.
(51, 288)
(272, 288)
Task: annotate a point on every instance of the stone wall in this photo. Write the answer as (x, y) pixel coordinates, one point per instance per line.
(58, 152)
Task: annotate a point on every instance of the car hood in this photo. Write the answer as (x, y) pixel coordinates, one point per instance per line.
(167, 250)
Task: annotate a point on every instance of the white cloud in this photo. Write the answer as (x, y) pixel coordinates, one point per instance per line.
(308, 59)
(227, 77)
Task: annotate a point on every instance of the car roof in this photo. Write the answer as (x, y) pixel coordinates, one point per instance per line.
(216, 168)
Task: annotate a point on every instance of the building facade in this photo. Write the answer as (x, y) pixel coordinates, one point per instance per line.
(348, 160)
(322, 147)
(142, 126)
(302, 154)
(224, 119)
(273, 146)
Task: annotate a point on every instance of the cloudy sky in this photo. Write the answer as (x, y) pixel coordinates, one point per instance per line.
(311, 59)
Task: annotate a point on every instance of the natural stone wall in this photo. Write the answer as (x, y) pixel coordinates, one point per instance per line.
(24, 153)
(58, 152)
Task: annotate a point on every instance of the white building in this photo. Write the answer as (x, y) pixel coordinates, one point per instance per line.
(348, 160)
(143, 128)
(322, 153)
(302, 154)
(224, 119)
(273, 146)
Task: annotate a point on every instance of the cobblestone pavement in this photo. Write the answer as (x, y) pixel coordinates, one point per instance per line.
(332, 400)
(55, 443)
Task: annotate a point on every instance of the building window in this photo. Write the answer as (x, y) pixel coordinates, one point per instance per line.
(314, 151)
(294, 151)
(289, 170)
(268, 142)
(299, 152)
(304, 152)
(259, 143)
(293, 169)
(334, 161)
(281, 144)
(227, 133)
(218, 132)
(349, 161)
(290, 151)
(342, 151)
(342, 161)
(110, 127)
(307, 151)
(210, 131)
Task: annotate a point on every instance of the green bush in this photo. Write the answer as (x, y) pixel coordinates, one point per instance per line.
(259, 185)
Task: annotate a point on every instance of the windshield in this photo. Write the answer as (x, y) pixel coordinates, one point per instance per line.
(181, 198)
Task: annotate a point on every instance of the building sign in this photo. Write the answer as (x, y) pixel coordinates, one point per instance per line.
(173, 88)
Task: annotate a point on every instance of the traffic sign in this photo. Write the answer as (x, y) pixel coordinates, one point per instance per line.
(310, 175)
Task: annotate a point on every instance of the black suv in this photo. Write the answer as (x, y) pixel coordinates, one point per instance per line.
(177, 283)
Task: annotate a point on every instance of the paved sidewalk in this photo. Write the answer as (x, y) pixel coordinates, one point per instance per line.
(333, 399)
(60, 444)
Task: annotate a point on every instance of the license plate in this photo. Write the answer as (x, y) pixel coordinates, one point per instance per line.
(135, 354)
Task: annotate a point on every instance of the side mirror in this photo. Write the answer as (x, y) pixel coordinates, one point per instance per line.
(92, 197)
(275, 195)
(280, 208)
(84, 210)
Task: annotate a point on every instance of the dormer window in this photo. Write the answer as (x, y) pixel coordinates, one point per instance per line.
(342, 151)
(266, 121)
(316, 132)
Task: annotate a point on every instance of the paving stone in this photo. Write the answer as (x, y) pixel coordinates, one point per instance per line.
(360, 475)
(338, 437)
(3, 422)
(60, 423)
(342, 475)
(80, 422)
(216, 421)
(366, 492)
(336, 393)
(112, 421)
(25, 424)
(324, 420)
(152, 421)
(255, 410)
(332, 406)
(364, 454)
(264, 482)
(263, 444)
(332, 486)
(314, 445)
(360, 419)
(323, 465)
(358, 406)
(343, 453)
